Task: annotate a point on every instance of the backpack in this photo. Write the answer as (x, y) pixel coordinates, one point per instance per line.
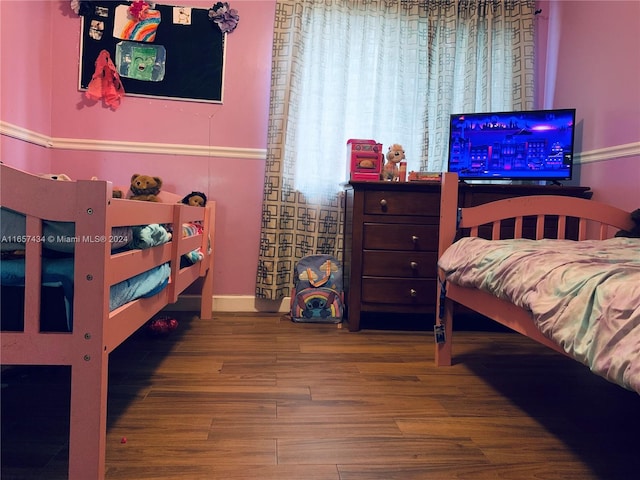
(318, 294)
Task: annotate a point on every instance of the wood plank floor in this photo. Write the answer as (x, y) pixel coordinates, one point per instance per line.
(258, 397)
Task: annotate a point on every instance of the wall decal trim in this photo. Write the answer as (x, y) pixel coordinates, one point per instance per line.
(130, 147)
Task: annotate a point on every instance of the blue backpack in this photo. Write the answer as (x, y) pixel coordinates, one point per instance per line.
(318, 294)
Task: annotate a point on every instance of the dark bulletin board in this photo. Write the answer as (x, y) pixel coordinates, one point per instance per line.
(194, 67)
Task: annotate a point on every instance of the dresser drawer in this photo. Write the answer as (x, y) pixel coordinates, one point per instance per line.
(399, 264)
(399, 291)
(420, 238)
(385, 202)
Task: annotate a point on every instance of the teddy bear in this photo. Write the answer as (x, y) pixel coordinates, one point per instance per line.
(145, 188)
(195, 199)
(395, 155)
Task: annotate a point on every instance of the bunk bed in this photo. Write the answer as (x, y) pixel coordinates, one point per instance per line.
(97, 273)
(577, 292)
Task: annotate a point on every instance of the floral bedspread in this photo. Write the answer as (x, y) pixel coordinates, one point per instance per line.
(585, 296)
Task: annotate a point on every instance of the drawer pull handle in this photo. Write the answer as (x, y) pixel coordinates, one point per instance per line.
(383, 203)
(414, 238)
(413, 293)
(414, 265)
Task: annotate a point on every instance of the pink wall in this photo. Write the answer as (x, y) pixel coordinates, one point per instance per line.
(50, 85)
(596, 70)
(24, 155)
(26, 68)
(590, 61)
(25, 79)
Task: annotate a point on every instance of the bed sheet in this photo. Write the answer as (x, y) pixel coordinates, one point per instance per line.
(585, 296)
(59, 271)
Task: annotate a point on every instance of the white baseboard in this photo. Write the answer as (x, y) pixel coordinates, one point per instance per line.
(233, 303)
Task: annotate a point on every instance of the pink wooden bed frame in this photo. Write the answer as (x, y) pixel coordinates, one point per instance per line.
(596, 220)
(96, 330)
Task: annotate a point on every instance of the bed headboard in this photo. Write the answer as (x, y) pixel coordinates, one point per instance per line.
(547, 213)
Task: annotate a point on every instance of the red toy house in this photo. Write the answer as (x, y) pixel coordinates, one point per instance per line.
(365, 159)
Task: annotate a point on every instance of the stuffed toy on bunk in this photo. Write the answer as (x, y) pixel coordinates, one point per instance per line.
(115, 192)
(62, 177)
(195, 199)
(145, 188)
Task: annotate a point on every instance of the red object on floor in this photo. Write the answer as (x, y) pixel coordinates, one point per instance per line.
(162, 325)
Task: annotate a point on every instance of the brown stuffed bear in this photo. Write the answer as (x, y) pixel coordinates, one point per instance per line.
(145, 188)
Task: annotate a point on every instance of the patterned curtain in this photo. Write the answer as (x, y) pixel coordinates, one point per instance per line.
(392, 71)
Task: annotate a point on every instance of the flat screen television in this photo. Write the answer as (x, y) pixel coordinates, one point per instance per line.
(526, 145)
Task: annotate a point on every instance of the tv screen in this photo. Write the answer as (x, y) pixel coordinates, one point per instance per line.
(527, 145)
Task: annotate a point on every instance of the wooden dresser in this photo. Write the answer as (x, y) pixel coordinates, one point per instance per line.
(391, 242)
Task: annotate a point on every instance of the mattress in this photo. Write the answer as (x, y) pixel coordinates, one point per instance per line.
(58, 272)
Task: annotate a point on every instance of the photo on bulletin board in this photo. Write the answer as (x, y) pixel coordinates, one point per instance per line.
(174, 53)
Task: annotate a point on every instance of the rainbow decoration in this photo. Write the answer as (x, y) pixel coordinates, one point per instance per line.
(127, 28)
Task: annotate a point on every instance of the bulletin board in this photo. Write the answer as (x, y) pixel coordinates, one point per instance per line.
(188, 52)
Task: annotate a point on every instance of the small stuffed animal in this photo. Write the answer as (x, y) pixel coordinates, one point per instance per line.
(115, 192)
(63, 177)
(195, 199)
(395, 155)
(145, 188)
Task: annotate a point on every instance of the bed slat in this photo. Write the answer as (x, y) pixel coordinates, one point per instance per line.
(582, 229)
(539, 227)
(518, 228)
(33, 274)
(495, 229)
(562, 227)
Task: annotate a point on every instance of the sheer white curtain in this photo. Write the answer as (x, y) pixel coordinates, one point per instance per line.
(362, 72)
(392, 71)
